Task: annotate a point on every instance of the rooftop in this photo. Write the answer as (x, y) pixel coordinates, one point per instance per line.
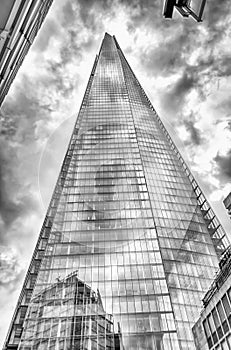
(221, 277)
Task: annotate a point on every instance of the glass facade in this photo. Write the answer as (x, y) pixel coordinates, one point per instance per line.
(20, 22)
(227, 203)
(128, 217)
(217, 324)
(72, 312)
(213, 328)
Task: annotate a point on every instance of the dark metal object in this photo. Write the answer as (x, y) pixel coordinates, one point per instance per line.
(185, 8)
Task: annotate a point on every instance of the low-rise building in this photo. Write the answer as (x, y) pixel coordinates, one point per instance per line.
(227, 203)
(213, 329)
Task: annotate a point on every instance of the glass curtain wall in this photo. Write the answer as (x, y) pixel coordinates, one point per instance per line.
(124, 224)
(188, 251)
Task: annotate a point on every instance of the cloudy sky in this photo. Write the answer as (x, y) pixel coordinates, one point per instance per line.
(183, 66)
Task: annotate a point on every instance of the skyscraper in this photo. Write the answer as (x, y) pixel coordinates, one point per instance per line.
(127, 214)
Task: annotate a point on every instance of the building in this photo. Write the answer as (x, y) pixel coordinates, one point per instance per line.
(128, 214)
(70, 311)
(20, 21)
(227, 203)
(213, 329)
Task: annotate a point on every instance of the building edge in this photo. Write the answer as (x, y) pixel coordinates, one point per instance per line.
(20, 310)
(216, 230)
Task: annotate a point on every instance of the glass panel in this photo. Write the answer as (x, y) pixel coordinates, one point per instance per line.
(211, 323)
(226, 305)
(224, 345)
(206, 328)
(215, 318)
(221, 312)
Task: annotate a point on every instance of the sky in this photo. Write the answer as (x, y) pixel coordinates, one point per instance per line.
(183, 66)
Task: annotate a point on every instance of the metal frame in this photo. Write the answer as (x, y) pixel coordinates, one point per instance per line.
(183, 7)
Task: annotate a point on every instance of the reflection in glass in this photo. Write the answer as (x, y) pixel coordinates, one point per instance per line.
(127, 250)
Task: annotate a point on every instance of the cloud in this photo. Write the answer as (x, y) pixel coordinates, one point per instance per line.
(222, 66)
(10, 269)
(216, 16)
(11, 274)
(68, 14)
(19, 148)
(188, 55)
(224, 164)
(12, 202)
(58, 76)
(24, 108)
(174, 95)
(88, 13)
(184, 84)
(52, 31)
(143, 14)
(15, 196)
(195, 134)
(32, 110)
(163, 59)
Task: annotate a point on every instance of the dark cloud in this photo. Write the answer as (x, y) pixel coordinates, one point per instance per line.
(19, 118)
(88, 15)
(94, 4)
(146, 13)
(198, 76)
(173, 97)
(71, 44)
(85, 13)
(58, 76)
(222, 66)
(224, 164)
(140, 12)
(183, 85)
(195, 135)
(68, 13)
(31, 105)
(163, 59)
(25, 108)
(178, 42)
(216, 16)
(14, 203)
(8, 125)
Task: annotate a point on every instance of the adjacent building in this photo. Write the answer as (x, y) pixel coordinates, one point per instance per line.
(126, 213)
(20, 21)
(213, 329)
(186, 8)
(71, 316)
(227, 203)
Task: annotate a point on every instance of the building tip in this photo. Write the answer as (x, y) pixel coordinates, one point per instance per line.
(106, 33)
